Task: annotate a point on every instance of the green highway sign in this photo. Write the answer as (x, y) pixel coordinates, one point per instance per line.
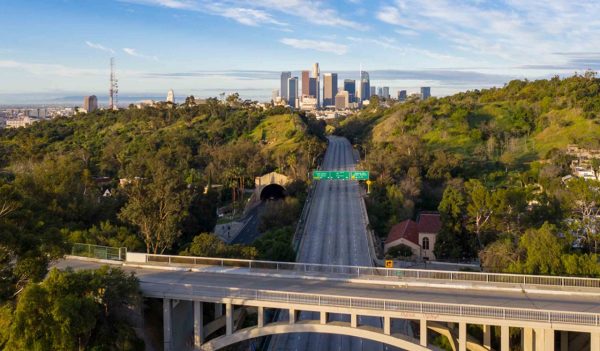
(341, 175)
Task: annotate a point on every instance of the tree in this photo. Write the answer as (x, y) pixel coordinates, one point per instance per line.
(480, 207)
(76, 311)
(209, 245)
(540, 252)
(499, 256)
(400, 251)
(584, 199)
(157, 206)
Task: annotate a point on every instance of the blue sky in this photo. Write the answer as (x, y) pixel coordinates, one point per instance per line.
(54, 48)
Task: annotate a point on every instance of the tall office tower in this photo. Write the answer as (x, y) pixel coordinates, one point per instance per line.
(342, 100)
(285, 76)
(317, 74)
(373, 91)
(292, 89)
(386, 92)
(312, 87)
(350, 87)
(90, 103)
(329, 88)
(171, 96)
(401, 95)
(380, 92)
(365, 86)
(425, 93)
(305, 83)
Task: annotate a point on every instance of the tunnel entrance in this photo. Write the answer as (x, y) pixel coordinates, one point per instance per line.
(273, 192)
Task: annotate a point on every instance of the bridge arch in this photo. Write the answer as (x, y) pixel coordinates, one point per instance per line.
(336, 328)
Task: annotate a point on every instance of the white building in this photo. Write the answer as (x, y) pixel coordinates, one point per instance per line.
(308, 103)
(171, 96)
(20, 122)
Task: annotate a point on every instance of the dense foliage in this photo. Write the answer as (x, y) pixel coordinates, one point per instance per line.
(491, 162)
(83, 310)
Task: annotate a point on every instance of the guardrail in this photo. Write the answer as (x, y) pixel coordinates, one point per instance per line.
(470, 311)
(377, 272)
(99, 251)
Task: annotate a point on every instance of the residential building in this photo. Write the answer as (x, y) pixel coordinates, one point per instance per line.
(292, 91)
(90, 103)
(305, 83)
(419, 235)
(330, 88)
(385, 92)
(171, 96)
(342, 100)
(380, 92)
(308, 103)
(283, 91)
(350, 87)
(425, 93)
(23, 121)
(373, 91)
(402, 95)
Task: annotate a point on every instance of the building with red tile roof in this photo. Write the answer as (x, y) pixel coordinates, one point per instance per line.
(419, 235)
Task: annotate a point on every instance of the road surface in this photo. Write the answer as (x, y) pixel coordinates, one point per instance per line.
(335, 233)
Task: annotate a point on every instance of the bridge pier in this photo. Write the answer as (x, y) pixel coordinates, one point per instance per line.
(228, 318)
(487, 337)
(462, 336)
(544, 339)
(261, 316)
(527, 339)
(198, 324)
(504, 338)
(323, 316)
(595, 341)
(423, 332)
(167, 324)
(387, 325)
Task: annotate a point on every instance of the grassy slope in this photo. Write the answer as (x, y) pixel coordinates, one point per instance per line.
(282, 133)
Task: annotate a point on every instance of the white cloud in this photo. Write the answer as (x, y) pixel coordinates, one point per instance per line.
(247, 16)
(135, 53)
(508, 31)
(324, 46)
(43, 69)
(172, 4)
(99, 47)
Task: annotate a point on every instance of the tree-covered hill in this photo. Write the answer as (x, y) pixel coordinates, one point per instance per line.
(491, 161)
(136, 177)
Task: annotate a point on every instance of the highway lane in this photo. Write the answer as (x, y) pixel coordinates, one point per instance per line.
(490, 298)
(335, 233)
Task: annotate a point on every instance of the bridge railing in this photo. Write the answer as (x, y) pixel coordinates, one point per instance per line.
(179, 290)
(99, 251)
(381, 273)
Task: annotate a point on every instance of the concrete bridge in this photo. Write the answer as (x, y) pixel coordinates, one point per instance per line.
(552, 313)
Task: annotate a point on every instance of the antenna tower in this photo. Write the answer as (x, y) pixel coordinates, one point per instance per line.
(113, 91)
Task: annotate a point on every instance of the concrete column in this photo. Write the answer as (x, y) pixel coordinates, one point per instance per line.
(353, 320)
(218, 310)
(595, 341)
(544, 340)
(564, 340)
(167, 324)
(323, 317)
(487, 337)
(387, 325)
(527, 339)
(504, 338)
(198, 324)
(261, 316)
(292, 315)
(462, 336)
(228, 318)
(423, 332)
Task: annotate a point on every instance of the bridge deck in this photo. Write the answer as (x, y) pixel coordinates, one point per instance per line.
(172, 282)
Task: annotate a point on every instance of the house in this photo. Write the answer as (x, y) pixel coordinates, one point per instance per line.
(420, 236)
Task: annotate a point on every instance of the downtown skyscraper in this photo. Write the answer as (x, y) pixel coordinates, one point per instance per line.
(330, 87)
(283, 91)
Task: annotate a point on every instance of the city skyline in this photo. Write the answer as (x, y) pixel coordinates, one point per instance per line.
(204, 48)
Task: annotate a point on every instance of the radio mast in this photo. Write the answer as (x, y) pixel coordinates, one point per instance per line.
(113, 91)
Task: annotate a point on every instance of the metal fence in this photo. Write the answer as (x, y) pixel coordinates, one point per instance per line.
(100, 252)
(175, 290)
(397, 274)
